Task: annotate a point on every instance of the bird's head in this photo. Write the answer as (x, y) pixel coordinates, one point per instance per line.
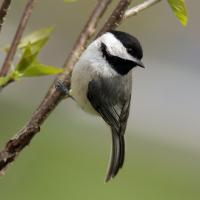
(121, 50)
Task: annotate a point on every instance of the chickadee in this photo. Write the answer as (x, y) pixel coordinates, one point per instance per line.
(101, 84)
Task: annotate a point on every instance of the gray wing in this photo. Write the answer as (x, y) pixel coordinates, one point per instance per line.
(111, 99)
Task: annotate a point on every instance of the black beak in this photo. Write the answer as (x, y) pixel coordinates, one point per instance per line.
(139, 63)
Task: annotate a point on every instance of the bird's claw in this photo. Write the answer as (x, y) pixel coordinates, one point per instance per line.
(59, 85)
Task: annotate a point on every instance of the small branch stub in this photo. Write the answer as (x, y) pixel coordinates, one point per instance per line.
(135, 10)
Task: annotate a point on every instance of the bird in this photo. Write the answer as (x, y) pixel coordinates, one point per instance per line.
(101, 84)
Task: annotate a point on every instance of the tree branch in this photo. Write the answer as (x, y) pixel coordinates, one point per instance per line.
(116, 17)
(24, 136)
(3, 11)
(135, 10)
(86, 34)
(21, 27)
(53, 97)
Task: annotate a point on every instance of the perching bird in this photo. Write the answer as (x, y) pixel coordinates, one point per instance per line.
(101, 84)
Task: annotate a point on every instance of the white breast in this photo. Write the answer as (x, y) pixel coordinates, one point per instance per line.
(90, 65)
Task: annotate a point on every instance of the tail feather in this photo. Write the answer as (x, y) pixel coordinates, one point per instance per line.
(117, 155)
(122, 152)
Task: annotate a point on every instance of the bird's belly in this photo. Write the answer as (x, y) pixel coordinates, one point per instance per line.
(79, 86)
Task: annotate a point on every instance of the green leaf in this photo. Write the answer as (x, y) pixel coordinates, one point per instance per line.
(26, 60)
(179, 9)
(36, 39)
(37, 46)
(38, 69)
(16, 75)
(31, 46)
(4, 80)
(40, 36)
(11, 76)
(35, 69)
(28, 66)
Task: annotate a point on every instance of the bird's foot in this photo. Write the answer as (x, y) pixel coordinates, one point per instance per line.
(60, 86)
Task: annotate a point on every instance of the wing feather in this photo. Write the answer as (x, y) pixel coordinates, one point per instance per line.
(113, 104)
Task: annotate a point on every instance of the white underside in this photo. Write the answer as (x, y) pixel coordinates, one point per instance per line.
(90, 65)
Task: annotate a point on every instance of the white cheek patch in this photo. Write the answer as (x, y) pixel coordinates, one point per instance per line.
(115, 47)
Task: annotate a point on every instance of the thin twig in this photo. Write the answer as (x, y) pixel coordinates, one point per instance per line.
(116, 17)
(86, 34)
(53, 97)
(24, 136)
(3, 11)
(135, 10)
(21, 27)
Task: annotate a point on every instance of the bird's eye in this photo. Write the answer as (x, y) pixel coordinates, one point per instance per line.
(129, 50)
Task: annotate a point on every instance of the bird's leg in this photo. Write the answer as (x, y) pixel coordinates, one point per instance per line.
(59, 85)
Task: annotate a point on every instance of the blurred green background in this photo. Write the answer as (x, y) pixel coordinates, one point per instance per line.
(68, 158)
